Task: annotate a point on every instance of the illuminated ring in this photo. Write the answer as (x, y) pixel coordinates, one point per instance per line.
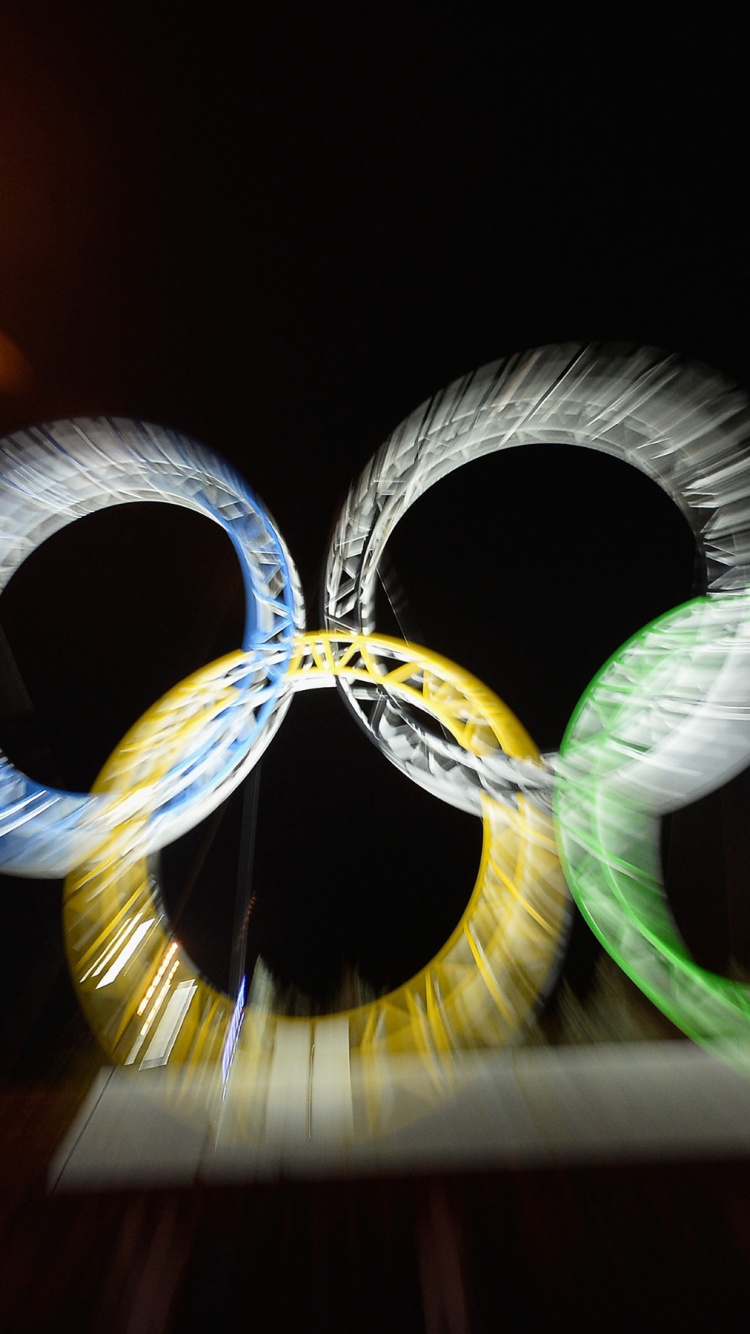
(665, 721)
(145, 999)
(680, 423)
(50, 476)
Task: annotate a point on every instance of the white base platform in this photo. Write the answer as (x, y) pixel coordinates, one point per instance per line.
(526, 1108)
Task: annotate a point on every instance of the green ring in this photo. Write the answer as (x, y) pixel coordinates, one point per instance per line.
(609, 838)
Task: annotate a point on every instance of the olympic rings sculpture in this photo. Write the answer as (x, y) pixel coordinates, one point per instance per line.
(665, 720)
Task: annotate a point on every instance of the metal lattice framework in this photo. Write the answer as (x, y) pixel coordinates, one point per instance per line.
(144, 997)
(680, 423)
(50, 476)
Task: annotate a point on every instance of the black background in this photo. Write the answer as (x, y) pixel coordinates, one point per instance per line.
(280, 231)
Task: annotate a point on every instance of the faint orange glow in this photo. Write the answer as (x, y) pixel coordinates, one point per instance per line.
(16, 375)
(158, 977)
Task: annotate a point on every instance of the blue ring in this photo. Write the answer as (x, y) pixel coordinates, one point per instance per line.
(54, 474)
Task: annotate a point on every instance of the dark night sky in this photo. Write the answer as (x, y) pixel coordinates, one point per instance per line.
(281, 232)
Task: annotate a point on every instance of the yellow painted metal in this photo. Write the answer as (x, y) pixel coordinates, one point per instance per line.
(147, 1002)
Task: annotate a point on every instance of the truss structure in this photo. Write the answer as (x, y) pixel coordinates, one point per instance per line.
(680, 423)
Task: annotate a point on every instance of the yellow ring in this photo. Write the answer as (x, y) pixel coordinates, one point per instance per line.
(148, 1004)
